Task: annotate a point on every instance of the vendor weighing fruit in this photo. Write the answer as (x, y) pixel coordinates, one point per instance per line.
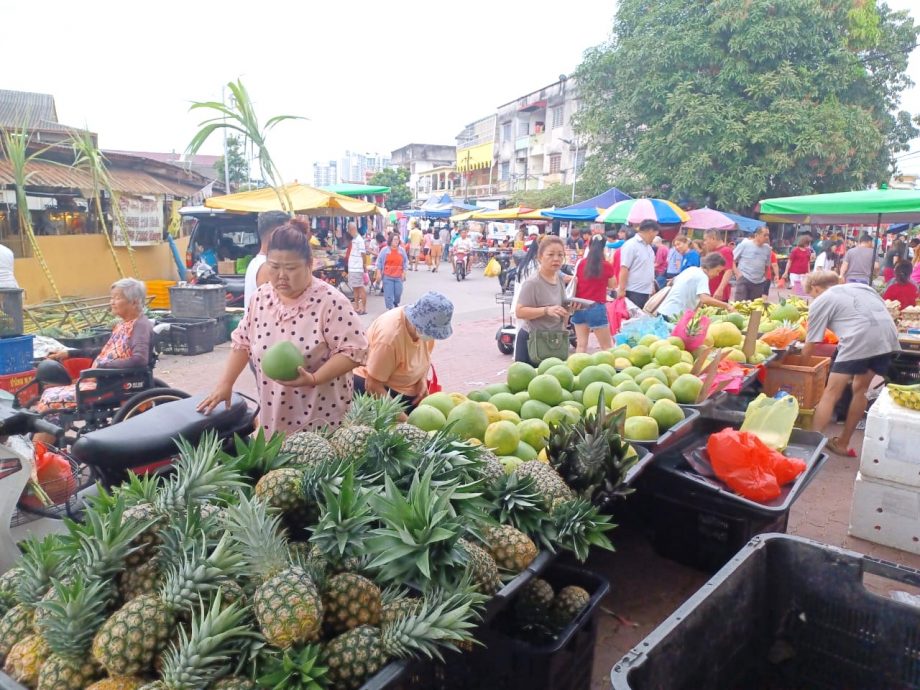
(313, 389)
(691, 288)
(868, 339)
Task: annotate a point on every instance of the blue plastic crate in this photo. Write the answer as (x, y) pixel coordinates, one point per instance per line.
(15, 354)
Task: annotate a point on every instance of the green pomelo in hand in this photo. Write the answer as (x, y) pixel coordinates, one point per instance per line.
(281, 360)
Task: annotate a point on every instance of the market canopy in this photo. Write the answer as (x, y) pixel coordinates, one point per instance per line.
(709, 219)
(350, 189)
(864, 207)
(306, 200)
(744, 223)
(439, 206)
(589, 209)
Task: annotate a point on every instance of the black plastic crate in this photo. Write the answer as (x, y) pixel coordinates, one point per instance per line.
(11, 322)
(904, 369)
(786, 613)
(197, 301)
(188, 336)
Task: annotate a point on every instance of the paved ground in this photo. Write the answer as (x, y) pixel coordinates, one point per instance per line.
(645, 588)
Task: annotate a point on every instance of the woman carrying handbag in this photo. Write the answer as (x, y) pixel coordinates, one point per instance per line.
(540, 308)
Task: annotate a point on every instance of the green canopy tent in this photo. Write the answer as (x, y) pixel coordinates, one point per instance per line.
(866, 207)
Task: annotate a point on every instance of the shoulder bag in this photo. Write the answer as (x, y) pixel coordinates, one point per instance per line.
(543, 344)
(655, 301)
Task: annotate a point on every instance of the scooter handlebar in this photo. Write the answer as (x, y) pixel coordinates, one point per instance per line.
(46, 427)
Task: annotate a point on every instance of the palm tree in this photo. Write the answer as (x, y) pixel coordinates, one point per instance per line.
(241, 117)
(89, 158)
(15, 145)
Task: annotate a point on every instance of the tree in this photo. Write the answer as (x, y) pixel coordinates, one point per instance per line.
(239, 166)
(395, 178)
(554, 195)
(736, 100)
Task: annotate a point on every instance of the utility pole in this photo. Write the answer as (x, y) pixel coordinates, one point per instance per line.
(223, 94)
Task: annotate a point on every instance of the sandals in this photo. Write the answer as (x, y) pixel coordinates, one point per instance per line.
(834, 446)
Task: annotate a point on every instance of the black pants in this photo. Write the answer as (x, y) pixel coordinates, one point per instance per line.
(637, 298)
(520, 347)
(746, 290)
(402, 397)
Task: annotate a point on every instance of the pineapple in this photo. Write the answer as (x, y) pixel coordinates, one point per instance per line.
(547, 482)
(283, 490)
(308, 448)
(16, 624)
(416, 437)
(144, 579)
(25, 660)
(532, 606)
(286, 601)
(118, 683)
(350, 600)
(234, 683)
(482, 567)
(204, 653)
(578, 525)
(398, 607)
(291, 670)
(257, 455)
(366, 415)
(9, 581)
(129, 640)
(493, 471)
(515, 501)
(512, 549)
(567, 604)
(71, 619)
(354, 656)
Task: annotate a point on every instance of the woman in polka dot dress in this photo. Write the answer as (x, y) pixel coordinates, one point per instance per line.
(297, 307)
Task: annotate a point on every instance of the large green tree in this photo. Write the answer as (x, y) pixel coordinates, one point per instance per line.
(238, 165)
(731, 101)
(553, 195)
(396, 179)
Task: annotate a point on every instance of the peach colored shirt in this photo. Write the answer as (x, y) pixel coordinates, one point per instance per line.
(394, 358)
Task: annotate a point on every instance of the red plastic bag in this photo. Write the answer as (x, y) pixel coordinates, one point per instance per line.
(433, 385)
(53, 474)
(691, 340)
(617, 313)
(750, 467)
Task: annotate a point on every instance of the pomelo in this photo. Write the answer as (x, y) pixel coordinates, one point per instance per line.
(519, 375)
(469, 419)
(659, 391)
(491, 411)
(686, 357)
(620, 378)
(621, 351)
(281, 360)
(738, 319)
(442, 401)
(622, 363)
(534, 433)
(546, 389)
(725, 334)
(687, 388)
(506, 401)
(641, 428)
(593, 392)
(636, 404)
(478, 396)
(735, 355)
(547, 363)
(566, 395)
(502, 437)
(562, 374)
(762, 348)
(667, 355)
(533, 409)
(523, 396)
(645, 384)
(669, 373)
(682, 368)
(632, 371)
(592, 374)
(656, 374)
(640, 356)
(667, 413)
(677, 342)
(561, 413)
(457, 398)
(509, 463)
(427, 418)
(651, 365)
(629, 387)
(602, 357)
(509, 416)
(575, 405)
(496, 388)
(525, 452)
(648, 339)
(653, 348)
(609, 368)
(577, 395)
(578, 361)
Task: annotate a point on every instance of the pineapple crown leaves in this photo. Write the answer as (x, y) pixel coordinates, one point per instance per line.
(183, 533)
(516, 501)
(375, 412)
(199, 573)
(417, 541)
(344, 519)
(579, 525)
(441, 621)
(257, 454)
(74, 614)
(200, 476)
(204, 653)
(259, 536)
(394, 592)
(42, 560)
(295, 670)
(456, 459)
(388, 453)
(322, 476)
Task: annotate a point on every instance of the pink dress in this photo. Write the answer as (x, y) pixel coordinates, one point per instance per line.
(322, 324)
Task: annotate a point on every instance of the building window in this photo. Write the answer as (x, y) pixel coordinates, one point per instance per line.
(506, 131)
(505, 170)
(555, 163)
(557, 117)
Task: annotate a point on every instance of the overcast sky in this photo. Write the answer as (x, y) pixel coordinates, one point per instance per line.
(371, 76)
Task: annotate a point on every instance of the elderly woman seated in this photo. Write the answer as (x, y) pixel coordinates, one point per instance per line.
(128, 347)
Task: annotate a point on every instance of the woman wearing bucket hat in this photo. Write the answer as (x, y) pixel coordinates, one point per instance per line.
(400, 342)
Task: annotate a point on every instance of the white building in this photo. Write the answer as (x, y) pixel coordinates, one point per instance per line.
(430, 168)
(360, 167)
(325, 174)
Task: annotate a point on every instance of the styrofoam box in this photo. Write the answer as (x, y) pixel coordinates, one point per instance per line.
(886, 513)
(891, 447)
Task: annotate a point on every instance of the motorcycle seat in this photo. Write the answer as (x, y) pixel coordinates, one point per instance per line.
(152, 435)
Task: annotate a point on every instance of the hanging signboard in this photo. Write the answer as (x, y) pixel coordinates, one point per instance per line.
(143, 216)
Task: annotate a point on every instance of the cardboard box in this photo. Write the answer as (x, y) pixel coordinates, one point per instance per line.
(226, 268)
(891, 447)
(886, 513)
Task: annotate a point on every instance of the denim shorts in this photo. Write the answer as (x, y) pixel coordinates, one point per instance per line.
(594, 316)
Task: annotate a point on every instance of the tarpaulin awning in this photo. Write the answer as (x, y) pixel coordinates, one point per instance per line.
(864, 207)
(516, 213)
(589, 209)
(306, 200)
(474, 157)
(745, 224)
(350, 189)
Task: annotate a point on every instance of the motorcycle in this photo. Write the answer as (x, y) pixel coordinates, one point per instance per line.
(143, 444)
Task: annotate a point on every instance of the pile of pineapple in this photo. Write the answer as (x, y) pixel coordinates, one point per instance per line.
(305, 562)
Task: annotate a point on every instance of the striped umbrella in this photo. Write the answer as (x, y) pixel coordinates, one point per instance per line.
(634, 211)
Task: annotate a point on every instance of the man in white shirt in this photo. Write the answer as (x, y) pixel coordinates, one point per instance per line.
(637, 265)
(356, 254)
(255, 276)
(691, 287)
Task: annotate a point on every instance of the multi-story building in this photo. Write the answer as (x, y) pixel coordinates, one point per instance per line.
(535, 143)
(430, 168)
(325, 174)
(360, 167)
(476, 158)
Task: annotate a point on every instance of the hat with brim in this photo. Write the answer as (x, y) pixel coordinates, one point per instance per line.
(431, 315)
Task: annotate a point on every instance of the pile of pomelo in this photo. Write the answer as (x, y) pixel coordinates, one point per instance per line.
(649, 381)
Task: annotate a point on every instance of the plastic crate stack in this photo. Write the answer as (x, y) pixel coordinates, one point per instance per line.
(17, 368)
(198, 320)
(886, 497)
